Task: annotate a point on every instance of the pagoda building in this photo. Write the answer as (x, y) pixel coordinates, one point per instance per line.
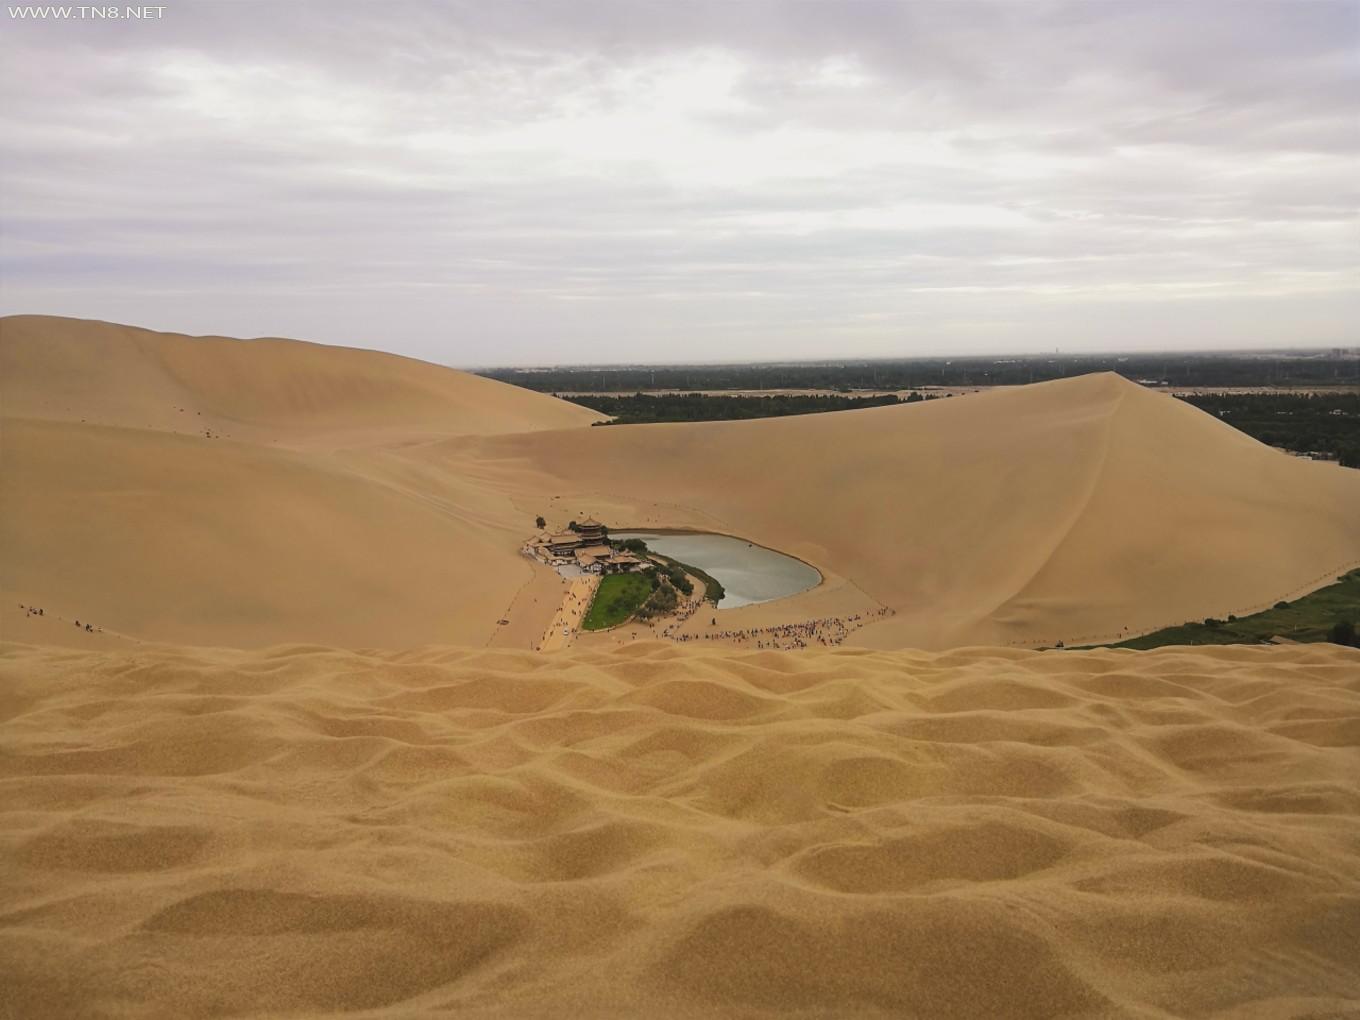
(591, 532)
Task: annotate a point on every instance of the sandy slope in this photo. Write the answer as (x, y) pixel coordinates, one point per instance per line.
(241, 493)
(218, 491)
(266, 389)
(1061, 511)
(671, 832)
(149, 533)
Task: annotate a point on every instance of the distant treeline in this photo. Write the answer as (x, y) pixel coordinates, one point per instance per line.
(1327, 423)
(1328, 614)
(1277, 369)
(642, 408)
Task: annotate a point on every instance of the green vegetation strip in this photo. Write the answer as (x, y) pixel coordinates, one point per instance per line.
(642, 408)
(1328, 614)
(675, 571)
(713, 589)
(1326, 423)
(617, 599)
(1295, 368)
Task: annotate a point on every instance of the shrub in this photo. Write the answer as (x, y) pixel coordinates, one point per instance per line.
(539, 522)
(677, 577)
(1209, 621)
(1281, 604)
(1342, 633)
(662, 601)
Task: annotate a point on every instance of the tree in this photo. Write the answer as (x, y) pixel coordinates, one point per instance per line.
(539, 522)
(1342, 633)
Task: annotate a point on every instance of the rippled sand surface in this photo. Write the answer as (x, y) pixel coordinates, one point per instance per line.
(679, 832)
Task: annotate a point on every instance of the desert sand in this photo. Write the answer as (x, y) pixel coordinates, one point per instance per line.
(297, 766)
(661, 831)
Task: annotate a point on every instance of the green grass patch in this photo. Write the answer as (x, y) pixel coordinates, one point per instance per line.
(675, 571)
(1310, 618)
(617, 599)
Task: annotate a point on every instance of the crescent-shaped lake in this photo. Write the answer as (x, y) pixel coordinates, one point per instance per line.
(749, 573)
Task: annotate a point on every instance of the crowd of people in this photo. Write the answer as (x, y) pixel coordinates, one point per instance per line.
(825, 630)
(687, 608)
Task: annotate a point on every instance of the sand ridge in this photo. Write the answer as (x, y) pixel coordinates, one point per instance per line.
(679, 832)
(269, 389)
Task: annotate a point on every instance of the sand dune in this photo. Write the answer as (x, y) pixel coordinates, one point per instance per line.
(1075, 510)
(672, 832)
(214, 491)
(267, 389)
(153, 533)
(244, 493)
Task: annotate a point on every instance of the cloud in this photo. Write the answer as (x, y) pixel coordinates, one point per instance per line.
(538, 182)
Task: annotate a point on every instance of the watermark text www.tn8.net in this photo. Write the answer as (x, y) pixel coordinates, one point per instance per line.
(98, 12)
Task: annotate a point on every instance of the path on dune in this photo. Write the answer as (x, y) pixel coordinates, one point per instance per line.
(566, 622)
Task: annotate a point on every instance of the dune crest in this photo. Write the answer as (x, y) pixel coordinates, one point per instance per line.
(849, 833)
(266, 389)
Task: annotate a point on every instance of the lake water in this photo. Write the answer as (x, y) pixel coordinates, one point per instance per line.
(748, 573)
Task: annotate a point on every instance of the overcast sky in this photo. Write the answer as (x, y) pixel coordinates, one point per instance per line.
(563, 181)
